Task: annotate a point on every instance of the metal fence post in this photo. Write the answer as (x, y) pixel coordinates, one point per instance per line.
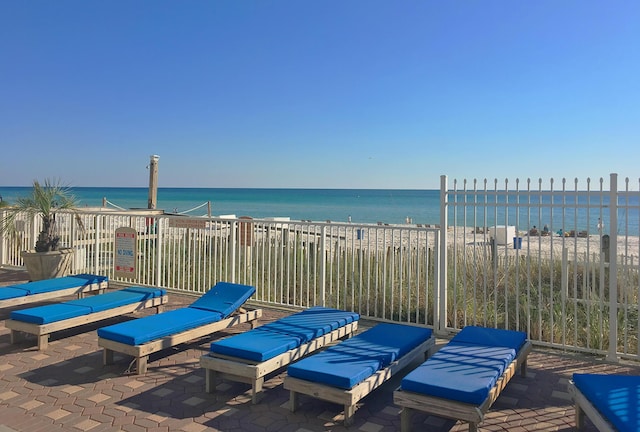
(440, 298)
(3, 243)
(613, 268)
(158, 251)
(97, 269)
(233, 249)
(323, 265)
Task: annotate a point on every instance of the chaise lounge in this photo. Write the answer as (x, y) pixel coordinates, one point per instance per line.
(30, 292)
(612, 402)
(249, 357)
(44, 320)
(463, 379)
(219, 308)
(347, 372)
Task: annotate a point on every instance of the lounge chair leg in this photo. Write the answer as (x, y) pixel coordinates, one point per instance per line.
(349, 412)
(256, 390)
(107, 357)
(16, 336)
(523, 368)
(579, 417)
(293, 401)
(405, 419)
(141, 365)
(159, 309)
(43, 342)
(209, 380)
(473, 427)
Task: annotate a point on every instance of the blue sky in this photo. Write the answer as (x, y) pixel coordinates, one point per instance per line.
(324, 94)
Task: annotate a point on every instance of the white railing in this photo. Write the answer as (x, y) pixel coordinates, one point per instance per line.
(381, 271)
(574, 285)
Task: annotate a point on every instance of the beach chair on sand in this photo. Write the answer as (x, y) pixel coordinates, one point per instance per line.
(249, 357)
(611, 402)
(463, 379)
(31, 292)
(347, 372)
(219, 308)
(44, 320)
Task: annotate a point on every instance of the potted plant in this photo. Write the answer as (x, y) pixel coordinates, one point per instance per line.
(47, 260)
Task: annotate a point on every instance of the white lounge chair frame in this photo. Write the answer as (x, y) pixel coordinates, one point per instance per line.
(251, 372)
(79, 291)
(584, 406)
(42, 331)
(350, 398)
(141, 352)
(472, 414)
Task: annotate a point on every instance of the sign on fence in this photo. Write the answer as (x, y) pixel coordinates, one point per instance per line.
(245, 231)
(124, 260)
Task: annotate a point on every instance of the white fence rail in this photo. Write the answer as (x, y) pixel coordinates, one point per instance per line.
(560, 263)
(381, 271)
(571, 282)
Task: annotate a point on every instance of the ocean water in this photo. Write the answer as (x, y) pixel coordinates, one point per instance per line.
(338, 205)
(390, 206)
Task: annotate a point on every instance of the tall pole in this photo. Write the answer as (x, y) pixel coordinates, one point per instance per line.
(153, 182)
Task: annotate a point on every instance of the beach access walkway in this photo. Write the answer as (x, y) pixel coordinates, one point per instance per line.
(67, 388)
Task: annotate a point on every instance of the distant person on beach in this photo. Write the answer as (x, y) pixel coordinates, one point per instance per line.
(545, 230)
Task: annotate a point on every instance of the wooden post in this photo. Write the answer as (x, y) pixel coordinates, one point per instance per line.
(153, 182)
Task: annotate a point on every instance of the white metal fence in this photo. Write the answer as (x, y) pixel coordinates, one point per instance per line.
(557, 261)
(570, 282)
(381, 271)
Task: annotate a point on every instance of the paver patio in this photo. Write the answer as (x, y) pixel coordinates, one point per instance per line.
(67, 388)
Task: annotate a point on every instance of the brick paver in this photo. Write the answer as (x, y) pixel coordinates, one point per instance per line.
(66, 387)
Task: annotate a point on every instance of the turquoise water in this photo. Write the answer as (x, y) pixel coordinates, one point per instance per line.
(362, 205)
(391, 206)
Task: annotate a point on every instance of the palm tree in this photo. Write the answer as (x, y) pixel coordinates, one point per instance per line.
(45, 200)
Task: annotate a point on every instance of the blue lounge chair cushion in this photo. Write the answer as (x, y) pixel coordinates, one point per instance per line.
(10, 292)
(256, 345)
(311, 323)
(353, 361)
(84, 306)
(152, 327)
(287, 333)
(617, 397)
(48, 285)
(114, 299)
(460, 371)
(224, 298)
(215, 305)
(491, 337)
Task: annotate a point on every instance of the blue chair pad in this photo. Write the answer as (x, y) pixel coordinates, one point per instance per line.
(335, 369)
(115, 299)
(491, 337)
(91, 278)
(10, 292)
(152, 327)
(311, 323)
(50, 313)
(348, 363)
(287, 333)
(617, 397)
(256, 345)
(224, 298)
(460, 372)
(84, 306)
(49, 285)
